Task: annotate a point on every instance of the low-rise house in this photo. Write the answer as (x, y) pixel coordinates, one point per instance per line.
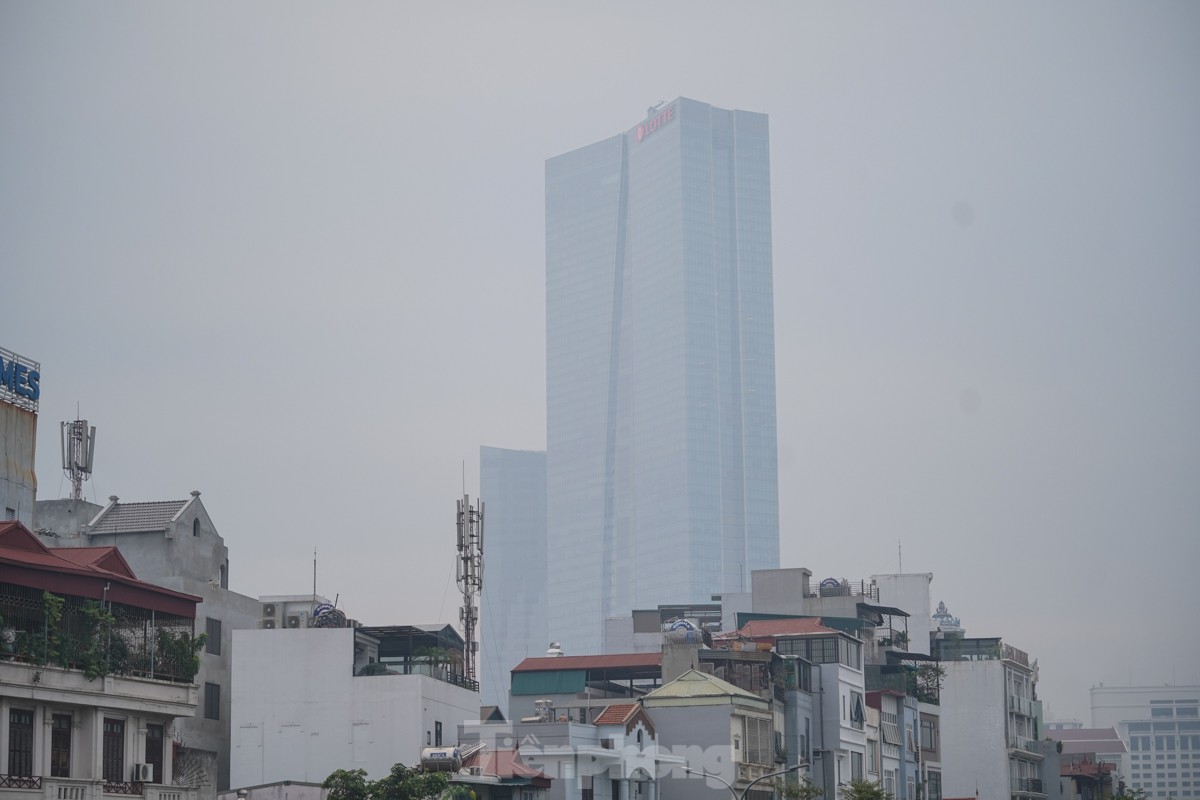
(96, 669)
(175, 544)
(720, 730)
(615, 757)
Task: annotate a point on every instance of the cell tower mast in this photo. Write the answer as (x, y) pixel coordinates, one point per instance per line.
(78, 448)
(470, 577)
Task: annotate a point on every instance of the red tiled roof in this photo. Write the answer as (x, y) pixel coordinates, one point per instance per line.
(772, 628)
(503, 764)
(619, 661)
(102, 559)
(91, 572)
(616, 714)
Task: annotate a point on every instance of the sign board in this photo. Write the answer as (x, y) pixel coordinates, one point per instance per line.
(20, 380)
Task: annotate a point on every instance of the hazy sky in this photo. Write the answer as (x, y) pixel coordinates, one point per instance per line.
(291, 254)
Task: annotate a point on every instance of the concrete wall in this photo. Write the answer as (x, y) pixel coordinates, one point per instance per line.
(65, 519)
(974, 711)
(701, 735)
(18, 482)
(299, 714)
(909, 592)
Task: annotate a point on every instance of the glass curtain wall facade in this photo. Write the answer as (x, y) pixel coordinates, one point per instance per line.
(512, 608)
(661, 431)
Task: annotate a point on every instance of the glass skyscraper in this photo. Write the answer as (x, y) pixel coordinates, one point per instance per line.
(512, 623)
(660, 368)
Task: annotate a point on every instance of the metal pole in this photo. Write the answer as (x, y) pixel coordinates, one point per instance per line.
(734, 791)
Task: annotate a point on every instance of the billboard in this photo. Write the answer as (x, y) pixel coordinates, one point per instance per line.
(20, 380)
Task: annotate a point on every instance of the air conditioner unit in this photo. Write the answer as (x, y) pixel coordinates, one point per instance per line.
(143, 773)
(293, 621)
(267, 623)
(269, 609)
(476, 770)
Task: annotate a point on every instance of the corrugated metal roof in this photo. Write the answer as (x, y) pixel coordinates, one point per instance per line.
(138, 517)
(619, 661)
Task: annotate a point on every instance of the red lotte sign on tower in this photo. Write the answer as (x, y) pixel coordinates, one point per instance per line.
(654, 123)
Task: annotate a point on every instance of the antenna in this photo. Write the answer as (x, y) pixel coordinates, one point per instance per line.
(78, 449)
(470, 576)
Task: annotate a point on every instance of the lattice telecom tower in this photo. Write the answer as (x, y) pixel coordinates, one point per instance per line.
(78, 447)
(470, 577)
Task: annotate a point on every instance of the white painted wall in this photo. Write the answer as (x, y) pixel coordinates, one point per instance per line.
(910, 592)
(974, 712)
(299, 714)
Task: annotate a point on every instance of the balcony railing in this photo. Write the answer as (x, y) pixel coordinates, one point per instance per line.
(1020, 705)
(20, 782)
(41, 788)
(1021, 743)
(1028, 785)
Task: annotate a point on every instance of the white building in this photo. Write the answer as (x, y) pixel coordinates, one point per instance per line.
(988, 720)
(1160, 725)
(301, 709)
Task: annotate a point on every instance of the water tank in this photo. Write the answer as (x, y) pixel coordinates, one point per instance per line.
(441, 759)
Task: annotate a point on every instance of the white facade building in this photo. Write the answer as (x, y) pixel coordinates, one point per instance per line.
(300, 712)
(1160, 725)
(988, 721)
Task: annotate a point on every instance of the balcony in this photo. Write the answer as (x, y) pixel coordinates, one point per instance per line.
(751, 772)
(1025, 746)
(1028, 786)
(53, 684)
(1020, 705)
(39, 788)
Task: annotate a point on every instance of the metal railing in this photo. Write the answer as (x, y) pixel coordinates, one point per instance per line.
(1032, 785)
(20, 782)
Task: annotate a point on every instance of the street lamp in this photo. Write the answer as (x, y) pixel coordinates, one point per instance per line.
(734, 791)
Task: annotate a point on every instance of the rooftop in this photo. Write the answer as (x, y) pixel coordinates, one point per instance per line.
(136, 517)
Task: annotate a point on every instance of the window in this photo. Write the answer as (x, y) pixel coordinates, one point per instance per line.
(212, 636)
(154, 751)
(20, 743)
(60, 746)
(928, 735)
(856, 766)
(933, 786)
(212, 701)
(196, 527)
(437, 734)
(758, 734)
(857, 714)
(113, 756)
(872, 756)
(889, 781)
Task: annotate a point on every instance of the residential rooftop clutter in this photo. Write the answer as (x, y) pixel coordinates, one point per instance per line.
(96, 669)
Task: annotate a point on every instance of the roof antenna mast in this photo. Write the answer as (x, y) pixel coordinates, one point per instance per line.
(78, 448)
(470, 577)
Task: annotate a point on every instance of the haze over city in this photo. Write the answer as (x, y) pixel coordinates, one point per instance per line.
(292, 256)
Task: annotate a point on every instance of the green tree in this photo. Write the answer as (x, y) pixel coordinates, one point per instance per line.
(859, 789)
(402, 783)
(804, 789)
